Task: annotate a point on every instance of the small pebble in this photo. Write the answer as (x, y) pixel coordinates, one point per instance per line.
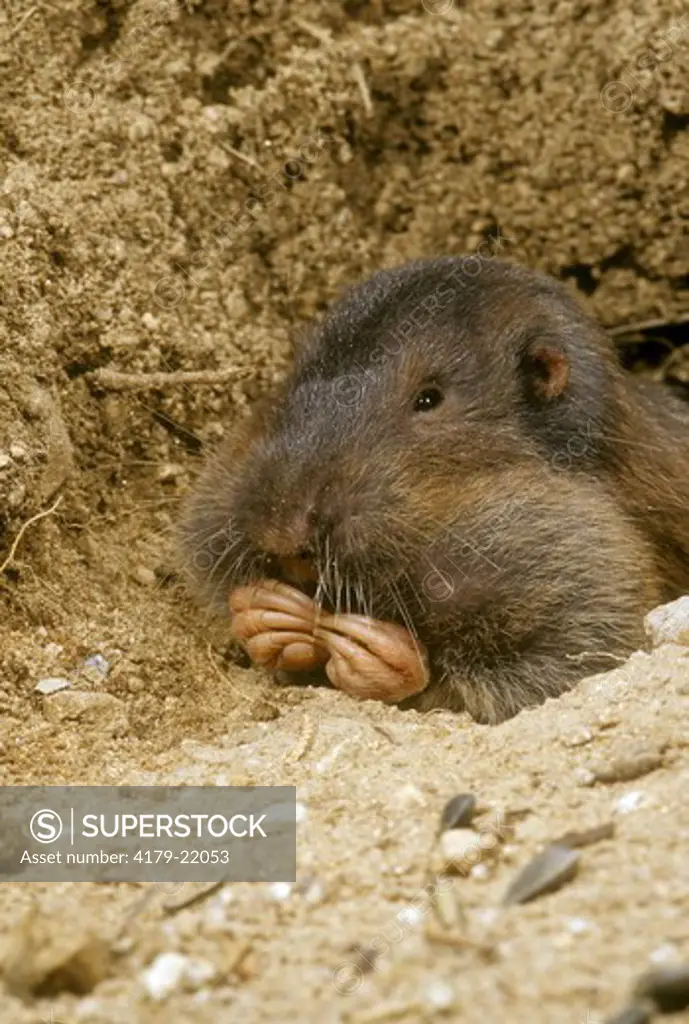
(458, 812)
(410, 915)
(665, 954)
(584, 776)
(666, 987)
(630, 801)
(146, 577)
(18, 452)
(51, 685)
(439, 995)
(488, 916)
(409, 796)
(169, 971)
(149, 321)
(669, 623)
(16, 496)
(461, 849)
(578, 925)
(168, 473)
(280, 891)
(480, 871)
(98, 663)
(4, 460)
(315, 893)
(549, 871)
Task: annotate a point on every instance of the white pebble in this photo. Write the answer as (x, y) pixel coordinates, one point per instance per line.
(169, 472)
(578, 925)
(409, 795)
(665, 954)
(584, 776)
(488, 915)
(479, 871)
(149, 321)
(314, 893)
(410, 915)
(462, 849)
(630, 801)
(4, 460)
(280, 890)
(440, 995)
(18, 452)
(166, 973)
(51, 685)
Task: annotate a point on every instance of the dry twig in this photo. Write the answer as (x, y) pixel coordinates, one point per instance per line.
(22, 21)
(22, 531)
(114, 380)
(360, 79)
(646, 325)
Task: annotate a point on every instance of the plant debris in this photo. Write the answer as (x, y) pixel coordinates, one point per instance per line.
(546, 873)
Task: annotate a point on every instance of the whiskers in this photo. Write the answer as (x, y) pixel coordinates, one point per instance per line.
(217, 558)
(377, 586)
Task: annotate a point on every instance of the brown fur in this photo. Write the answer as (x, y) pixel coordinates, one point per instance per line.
(521, 528)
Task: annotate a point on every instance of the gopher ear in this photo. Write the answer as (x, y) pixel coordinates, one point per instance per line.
(546, 369)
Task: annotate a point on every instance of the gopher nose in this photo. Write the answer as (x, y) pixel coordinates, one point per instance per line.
(286, 538)
(289, 547)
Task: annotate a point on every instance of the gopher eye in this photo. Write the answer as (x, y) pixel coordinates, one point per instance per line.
(429, 398)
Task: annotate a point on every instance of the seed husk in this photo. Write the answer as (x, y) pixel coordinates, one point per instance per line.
(548, 871)
(458, 812)
(448, 910)
(666, 987)
(575, 840)
(625, 769)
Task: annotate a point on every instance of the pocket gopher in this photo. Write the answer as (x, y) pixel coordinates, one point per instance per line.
(457, 499)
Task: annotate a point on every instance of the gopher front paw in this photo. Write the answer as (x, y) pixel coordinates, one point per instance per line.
(275, 624)
(372, 660)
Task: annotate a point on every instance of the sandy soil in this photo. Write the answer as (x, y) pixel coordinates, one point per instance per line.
(181, 187)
